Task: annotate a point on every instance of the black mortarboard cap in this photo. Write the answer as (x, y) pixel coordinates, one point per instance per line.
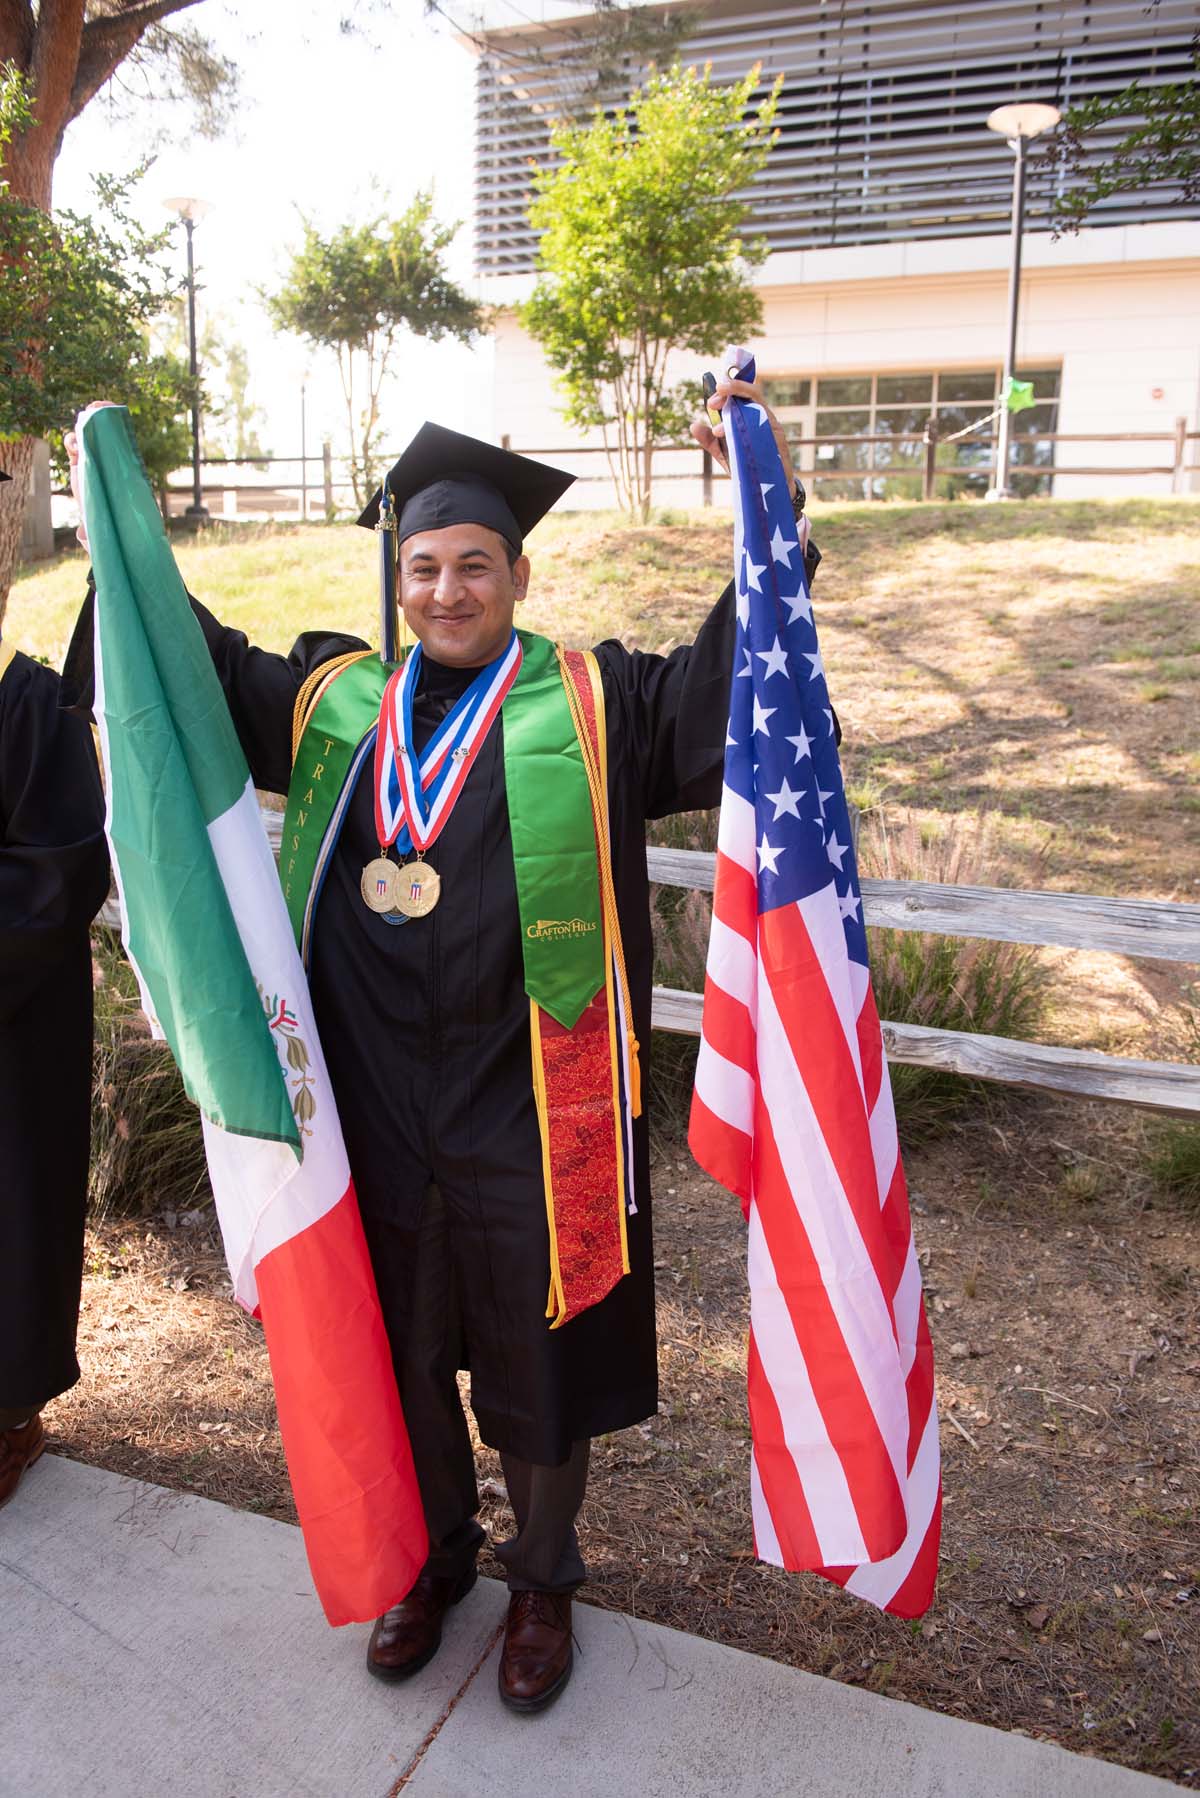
(446, 478)
(4, 477)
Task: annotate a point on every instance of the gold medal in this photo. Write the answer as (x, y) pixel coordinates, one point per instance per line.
(417, 890)
(378, 884)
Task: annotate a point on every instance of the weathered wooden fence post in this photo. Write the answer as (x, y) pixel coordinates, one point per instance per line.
(327, 469)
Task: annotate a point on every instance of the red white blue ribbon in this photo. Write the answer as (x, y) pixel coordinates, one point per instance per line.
(415, 795)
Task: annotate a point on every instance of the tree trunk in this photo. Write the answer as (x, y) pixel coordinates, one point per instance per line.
(16, 458)
(66, 60)
(50, 65)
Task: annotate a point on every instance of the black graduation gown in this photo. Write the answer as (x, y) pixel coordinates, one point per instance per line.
(425, 1026)
(53, 880)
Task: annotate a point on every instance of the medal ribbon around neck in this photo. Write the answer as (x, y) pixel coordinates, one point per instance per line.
(413, 812)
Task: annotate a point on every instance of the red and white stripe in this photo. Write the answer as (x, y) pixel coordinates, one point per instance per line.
(793, 1112)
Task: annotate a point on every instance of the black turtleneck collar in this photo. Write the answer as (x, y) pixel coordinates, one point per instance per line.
(438, 689)
(440, 682)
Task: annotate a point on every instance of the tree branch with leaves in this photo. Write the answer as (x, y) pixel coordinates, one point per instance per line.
(641, 254)
(1159, 144)
(66, 51)
(55, 57)
(77, 297)
(355, 292)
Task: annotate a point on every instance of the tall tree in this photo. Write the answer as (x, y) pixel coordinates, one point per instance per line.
(1157, 142)
(641, 254)
(76, 297)
(229, 419)
(55, 57)
(68, 50)
(355, 291)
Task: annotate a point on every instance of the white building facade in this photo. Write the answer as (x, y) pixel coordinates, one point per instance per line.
(886, 204)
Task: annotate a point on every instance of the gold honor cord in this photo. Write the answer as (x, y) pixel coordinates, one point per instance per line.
(312, 689)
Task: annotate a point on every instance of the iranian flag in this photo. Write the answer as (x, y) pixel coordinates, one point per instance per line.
(205, 927)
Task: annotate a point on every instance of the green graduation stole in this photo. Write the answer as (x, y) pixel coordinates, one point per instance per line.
(585, 1053)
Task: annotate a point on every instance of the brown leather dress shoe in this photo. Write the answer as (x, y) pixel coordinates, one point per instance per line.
(407, 1637)
(19, 1449)
(538, 1656)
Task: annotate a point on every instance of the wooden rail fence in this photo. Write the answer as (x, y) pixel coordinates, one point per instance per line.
(1153, 929)
(812, 467)
(327, 492)
(1143, 927)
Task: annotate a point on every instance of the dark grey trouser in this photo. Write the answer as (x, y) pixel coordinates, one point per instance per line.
(544, 1554)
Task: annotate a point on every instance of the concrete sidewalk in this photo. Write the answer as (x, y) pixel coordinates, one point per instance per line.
(158, 1644)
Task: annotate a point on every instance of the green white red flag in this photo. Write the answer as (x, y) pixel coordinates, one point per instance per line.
(207, 932)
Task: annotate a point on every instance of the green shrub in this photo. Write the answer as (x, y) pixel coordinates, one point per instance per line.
(147, 1149)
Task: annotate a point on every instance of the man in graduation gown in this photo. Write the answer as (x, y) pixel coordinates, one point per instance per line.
(53, 881)
(493, 1128)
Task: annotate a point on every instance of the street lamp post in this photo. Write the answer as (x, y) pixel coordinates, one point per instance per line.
(191, 211)
(1017, 123)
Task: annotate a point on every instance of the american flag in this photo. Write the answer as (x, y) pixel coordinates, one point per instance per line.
(793, 1107)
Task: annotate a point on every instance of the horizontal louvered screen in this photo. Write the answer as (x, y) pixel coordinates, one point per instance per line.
(881, 118)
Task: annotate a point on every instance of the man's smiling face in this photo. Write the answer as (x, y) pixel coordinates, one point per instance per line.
(458, 592)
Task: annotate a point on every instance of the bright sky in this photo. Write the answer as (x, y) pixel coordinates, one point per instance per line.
(322, 117)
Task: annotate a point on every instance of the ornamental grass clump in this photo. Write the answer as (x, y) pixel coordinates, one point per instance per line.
(945, 983)
(147, 1149)
(1175, 1165)
(1174, 1152)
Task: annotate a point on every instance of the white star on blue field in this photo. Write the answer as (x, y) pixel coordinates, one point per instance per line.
(781, 753)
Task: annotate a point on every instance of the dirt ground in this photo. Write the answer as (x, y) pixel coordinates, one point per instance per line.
(1067, 1334)
(1040, 665)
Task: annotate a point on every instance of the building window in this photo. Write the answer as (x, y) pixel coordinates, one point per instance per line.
(787, 390)
(869, 430)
